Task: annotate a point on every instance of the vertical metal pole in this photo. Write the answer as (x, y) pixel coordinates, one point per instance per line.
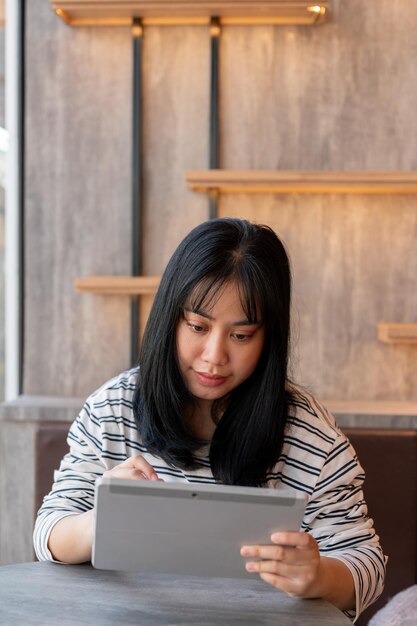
(22, 194)
(214, 109)
(137, 186)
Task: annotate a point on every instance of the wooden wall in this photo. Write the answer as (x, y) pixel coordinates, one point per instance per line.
(340, 96)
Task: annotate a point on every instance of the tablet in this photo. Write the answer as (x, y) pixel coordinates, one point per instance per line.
(186, 528)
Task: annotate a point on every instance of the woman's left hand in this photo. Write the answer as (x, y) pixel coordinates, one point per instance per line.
(291, 563)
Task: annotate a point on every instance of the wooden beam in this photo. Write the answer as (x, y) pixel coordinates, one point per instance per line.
(117, 285)
(282, 181)
(390, 332)
(160, 12)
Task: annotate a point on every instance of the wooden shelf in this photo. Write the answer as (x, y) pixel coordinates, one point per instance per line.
(159, 12)
(371, 407)
(117, 285)
(390, 332)
(281, 181)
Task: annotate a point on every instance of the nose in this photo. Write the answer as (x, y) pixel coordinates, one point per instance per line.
(215, 350)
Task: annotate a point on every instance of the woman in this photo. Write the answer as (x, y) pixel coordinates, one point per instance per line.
(212, 402)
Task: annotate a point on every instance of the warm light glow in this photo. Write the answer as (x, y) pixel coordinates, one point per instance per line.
(63, 15)
(316, 9)
(137, 31)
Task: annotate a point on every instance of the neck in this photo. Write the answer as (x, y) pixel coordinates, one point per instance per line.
(200, 420)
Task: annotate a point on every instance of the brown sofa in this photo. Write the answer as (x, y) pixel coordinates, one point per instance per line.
(389, 458)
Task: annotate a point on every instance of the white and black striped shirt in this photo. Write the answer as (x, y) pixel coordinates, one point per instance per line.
(316, 459)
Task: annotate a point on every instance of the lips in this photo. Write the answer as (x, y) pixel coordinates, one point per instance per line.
(210, 380)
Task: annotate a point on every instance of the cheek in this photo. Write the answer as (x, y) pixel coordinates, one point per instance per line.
(251, 359)
(185, 346)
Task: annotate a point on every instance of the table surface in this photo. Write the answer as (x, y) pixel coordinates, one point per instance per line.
(50, 593)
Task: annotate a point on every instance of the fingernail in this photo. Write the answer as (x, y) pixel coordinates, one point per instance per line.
(250, 567)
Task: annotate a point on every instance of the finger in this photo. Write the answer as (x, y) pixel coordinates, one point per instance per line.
(278, 568)
(293, 585)
(280, 582)
(277, 553)
(287, 554)
(297, 539)
(125, 473)
(290, 578)
(290, 586)
(139, 463)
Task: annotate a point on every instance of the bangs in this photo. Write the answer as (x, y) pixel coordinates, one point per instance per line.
(207, 292)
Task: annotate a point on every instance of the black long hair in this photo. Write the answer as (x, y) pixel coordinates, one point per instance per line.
(248, 438)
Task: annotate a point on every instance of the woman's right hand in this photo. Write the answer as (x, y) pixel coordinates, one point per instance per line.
(71, 538)
(134, 468)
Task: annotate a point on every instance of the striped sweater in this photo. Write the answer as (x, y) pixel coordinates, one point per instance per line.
(316, 459)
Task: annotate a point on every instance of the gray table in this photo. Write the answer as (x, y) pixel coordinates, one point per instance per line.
(49, 593)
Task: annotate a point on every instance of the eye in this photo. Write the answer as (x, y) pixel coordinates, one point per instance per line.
(196, 328)
(241, 338)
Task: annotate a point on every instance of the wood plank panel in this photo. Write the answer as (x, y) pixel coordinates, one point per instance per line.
(77, 202)
(176, 71)
(328, 98)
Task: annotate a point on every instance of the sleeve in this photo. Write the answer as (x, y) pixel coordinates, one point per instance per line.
(337, 517)
(73, 488)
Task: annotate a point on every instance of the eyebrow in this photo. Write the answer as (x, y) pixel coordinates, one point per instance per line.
(202, 313)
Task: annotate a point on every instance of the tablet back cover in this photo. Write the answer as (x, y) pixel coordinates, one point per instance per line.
(185, 528)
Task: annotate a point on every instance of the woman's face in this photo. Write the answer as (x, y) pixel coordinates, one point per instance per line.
(217, 347)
